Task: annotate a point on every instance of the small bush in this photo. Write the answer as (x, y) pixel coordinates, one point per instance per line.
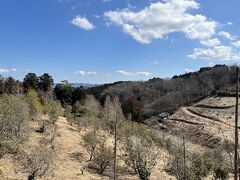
(91, 141)
(141, 153)
(68, 114)
(103, 158)
(221, 173)
(53, 109)
(35, 103)
(37, 162)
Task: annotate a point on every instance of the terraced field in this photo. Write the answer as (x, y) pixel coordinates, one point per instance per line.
(206, 124)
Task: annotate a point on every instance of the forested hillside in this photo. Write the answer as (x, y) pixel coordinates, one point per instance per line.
(144, 99)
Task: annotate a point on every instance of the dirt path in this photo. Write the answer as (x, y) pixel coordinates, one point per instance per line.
(67, 141)
(218, 122)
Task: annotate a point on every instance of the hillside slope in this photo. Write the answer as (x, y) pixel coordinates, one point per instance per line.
(167, 95)
(208, 123)
(70, 159)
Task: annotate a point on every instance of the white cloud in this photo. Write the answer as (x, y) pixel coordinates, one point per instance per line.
(236, 43)
(227, 35)
(188, 70)
(215, 53)
(83, 23)
(6, 70)
(86, 73)
(154, 62)
(106, 1)
(210, 42)
(162, 18)
(146, 74)
(229, 23)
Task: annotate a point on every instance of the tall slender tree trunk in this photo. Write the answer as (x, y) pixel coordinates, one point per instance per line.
(236, 129)
(115, 151)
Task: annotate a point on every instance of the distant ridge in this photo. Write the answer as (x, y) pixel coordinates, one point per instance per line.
(75, 85)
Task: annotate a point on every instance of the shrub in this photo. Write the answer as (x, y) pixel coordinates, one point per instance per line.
(141, 156)
(34, 101)
(103, 158)
(14, 113)
(176, 165)
(221, 173)
(37, 162)
(68, 114)
(91, 141)
(79, 110)
(53, 109)
(201, 165)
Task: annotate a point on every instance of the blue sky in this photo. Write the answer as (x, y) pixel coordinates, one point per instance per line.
(99, 41)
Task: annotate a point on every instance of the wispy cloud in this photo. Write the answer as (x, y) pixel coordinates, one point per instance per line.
(83, 23)
(227, 35)
(105, 1)
(154, 62)
(86, 73)
(127, 73)
(6, 70)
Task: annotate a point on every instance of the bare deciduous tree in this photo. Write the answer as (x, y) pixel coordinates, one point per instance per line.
(37, 162)
(141, 155)
(114, 115)
(103, 158)
(91, 141)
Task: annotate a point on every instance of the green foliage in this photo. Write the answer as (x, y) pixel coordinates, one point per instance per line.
(201, 166)
(53, 109)
(78, 94)
(30, 82)
(63, 93)
(34, 101)
(14, 113)
(45, 82)
(79, 110)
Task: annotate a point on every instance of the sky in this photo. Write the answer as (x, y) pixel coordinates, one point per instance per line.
(102, 41)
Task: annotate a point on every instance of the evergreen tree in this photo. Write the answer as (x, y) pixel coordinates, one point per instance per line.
(64, 93)
(45, 84)
(30, 81)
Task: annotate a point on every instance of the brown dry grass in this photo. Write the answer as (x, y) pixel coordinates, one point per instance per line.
(67, 143)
